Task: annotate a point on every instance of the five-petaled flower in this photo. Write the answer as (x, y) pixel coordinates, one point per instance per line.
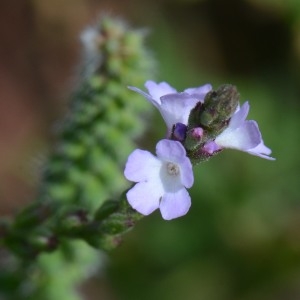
(174, 107)
(161, 181)
(241, 134)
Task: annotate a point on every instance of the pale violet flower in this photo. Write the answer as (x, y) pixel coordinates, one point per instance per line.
(241, 134)
(161, 181)
(174, 107)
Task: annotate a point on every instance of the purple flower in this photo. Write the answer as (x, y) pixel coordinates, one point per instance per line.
(174, 107)
(161, 181)
(243, 135)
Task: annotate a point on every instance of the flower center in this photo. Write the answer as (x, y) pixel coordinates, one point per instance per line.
(172, 169)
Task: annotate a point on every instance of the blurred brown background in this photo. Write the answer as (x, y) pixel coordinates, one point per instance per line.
(38, 55)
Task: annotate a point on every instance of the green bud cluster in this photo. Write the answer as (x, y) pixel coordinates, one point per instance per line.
(212, 117)
(217, 108)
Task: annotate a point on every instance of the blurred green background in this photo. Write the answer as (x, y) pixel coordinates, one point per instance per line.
(241, 238)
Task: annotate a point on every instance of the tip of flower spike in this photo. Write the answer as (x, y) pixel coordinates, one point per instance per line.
(219, 105)
(89, 39)
(91, 54)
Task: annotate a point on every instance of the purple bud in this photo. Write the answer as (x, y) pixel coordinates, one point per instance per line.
(210, 147)
(179, 132)
(197, 133)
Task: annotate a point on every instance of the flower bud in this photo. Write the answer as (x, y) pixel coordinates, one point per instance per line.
(193, 138)
(179, 132)
(218, 108)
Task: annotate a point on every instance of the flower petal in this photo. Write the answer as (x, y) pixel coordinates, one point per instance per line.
(261, 148)
(169, 150)
(145, 196)
(176, 108)
(261, 155)
(157, 90)
(199, 92)
(186, 173)
(174, 205)
(239, 116)
(243, 138)
(262, 151)
(141, 165)
(156, 103)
